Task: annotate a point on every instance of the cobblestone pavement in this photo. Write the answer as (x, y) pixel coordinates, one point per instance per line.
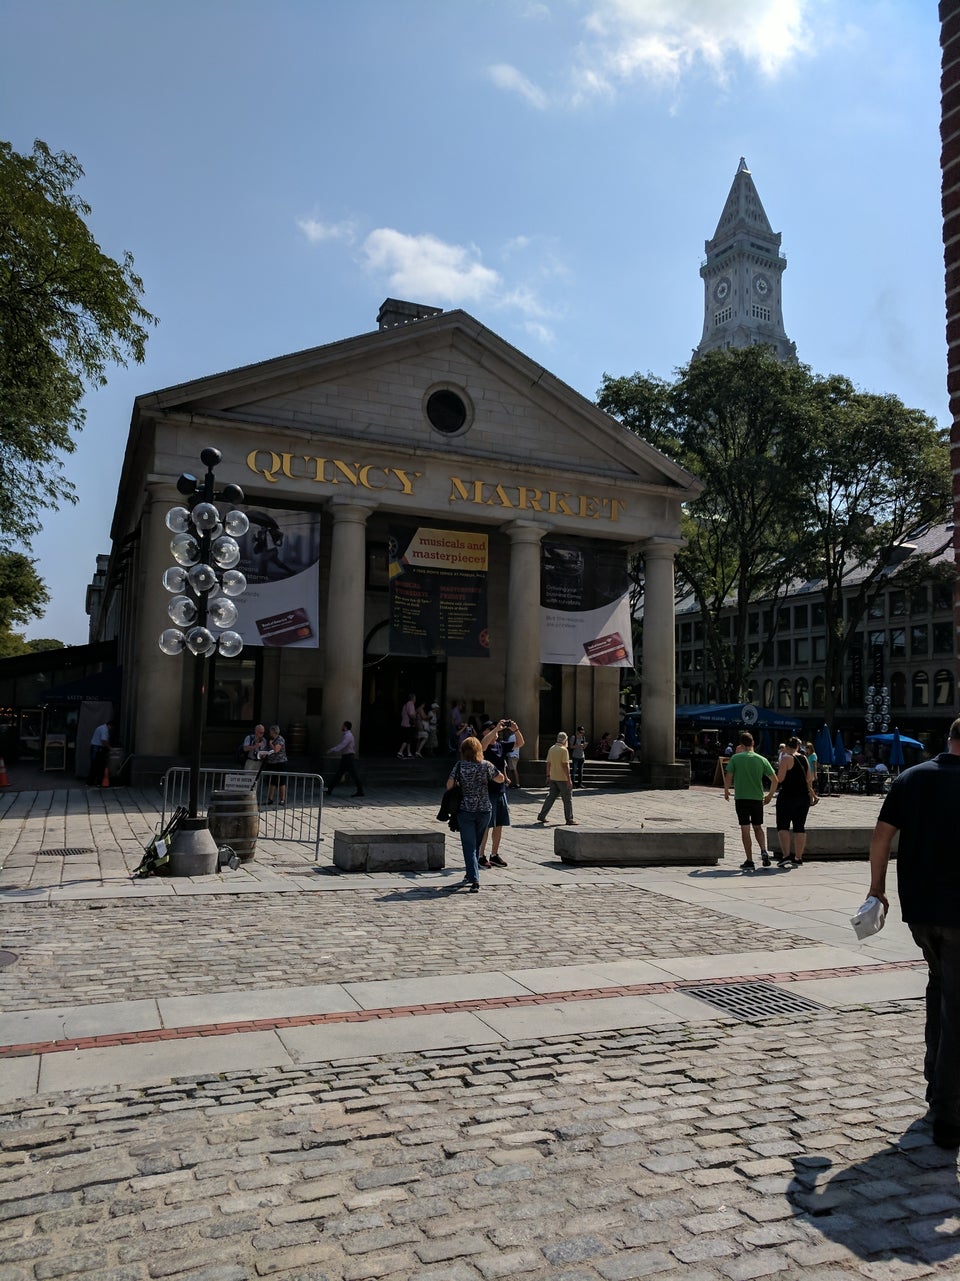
(704, 1150)
(102, 950)
(789, 1149)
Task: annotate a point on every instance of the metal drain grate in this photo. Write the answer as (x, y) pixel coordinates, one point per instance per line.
(69, 852)
(752, 1001)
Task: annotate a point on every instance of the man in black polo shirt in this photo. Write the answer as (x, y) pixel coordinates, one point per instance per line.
(923, 804)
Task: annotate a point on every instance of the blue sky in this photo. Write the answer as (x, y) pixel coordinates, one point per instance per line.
(552, 166)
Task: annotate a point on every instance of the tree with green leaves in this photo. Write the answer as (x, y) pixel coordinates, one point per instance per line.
(738, 420)
(879, 474)
(806, 479)
(67, 312)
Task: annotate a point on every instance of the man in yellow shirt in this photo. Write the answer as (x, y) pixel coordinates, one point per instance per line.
(559, 781)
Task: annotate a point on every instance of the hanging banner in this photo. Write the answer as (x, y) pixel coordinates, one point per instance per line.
(280, 555)
(438, 593)
(584, 604)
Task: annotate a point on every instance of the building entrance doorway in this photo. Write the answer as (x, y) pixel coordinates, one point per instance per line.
(387, 681)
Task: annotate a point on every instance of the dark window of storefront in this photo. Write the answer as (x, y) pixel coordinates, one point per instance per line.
(819, 691)
(235, 689)
(921, 689)
(898, 690)
(943, 638)
(943, 595)
(784, 698)
(918, 641)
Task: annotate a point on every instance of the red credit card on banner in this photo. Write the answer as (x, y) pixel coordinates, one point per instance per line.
(285, 629)
(606, 650)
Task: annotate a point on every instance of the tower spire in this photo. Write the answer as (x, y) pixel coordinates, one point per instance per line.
(742, 276)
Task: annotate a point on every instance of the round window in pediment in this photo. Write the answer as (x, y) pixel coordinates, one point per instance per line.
(448, 410)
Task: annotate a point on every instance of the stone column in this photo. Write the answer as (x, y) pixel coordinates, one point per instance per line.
(522, 688)
(658, 676)
(159, 708)
(343, 648)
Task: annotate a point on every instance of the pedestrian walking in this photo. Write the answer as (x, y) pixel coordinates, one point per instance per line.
(559, 782)
(923, 805)
(474, 775)
(408, 726)
(795, 795)
(347, 749)
(99, 755)
(747, 770)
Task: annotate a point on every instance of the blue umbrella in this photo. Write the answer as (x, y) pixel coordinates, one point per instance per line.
(896, 751)
(823, 746)
(905, 739)
(839, 752)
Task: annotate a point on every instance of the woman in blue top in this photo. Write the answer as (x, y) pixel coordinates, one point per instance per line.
(474, 775)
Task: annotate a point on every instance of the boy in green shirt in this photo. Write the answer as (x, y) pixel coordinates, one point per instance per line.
(748, 769)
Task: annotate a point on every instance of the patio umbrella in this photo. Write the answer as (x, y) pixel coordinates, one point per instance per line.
(839, 752)
(823, 745)
(905, 739)
(896, 751)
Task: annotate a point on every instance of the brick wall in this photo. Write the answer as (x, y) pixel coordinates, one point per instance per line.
(950, 169)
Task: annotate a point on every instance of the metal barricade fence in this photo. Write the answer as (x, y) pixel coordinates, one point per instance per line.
(297, 820)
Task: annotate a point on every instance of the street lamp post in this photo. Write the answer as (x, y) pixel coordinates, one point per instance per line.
(204, 583)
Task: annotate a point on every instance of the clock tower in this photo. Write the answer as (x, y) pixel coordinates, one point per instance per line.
(742, 276)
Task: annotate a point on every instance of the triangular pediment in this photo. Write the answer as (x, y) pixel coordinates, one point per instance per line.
(376, 388)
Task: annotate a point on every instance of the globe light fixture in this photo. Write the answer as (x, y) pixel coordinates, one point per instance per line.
(203, 582)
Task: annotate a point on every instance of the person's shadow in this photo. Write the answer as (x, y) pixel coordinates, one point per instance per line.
(902, 1202)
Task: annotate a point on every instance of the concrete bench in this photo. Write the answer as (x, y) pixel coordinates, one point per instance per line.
(638, 848)
(832, 842)
(388, 851)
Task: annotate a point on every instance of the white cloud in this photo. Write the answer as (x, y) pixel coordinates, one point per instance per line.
(506, 77)
(662, 41)
(428, 269)
(316, 231)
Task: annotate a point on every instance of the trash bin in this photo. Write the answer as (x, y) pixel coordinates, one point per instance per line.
(234, 820)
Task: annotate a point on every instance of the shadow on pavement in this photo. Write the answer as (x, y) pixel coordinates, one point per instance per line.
(901, 1203)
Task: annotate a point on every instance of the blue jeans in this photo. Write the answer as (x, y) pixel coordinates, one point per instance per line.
(472, 825)
(576, 770)
(940, 945)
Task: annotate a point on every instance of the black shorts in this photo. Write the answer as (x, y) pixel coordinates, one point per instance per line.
(749, 813)
(794, 812)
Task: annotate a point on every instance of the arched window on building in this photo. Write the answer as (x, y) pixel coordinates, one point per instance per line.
(751, 692)
(802, 692)
(921, 690)
(768, 693)
(697, 694)
(943, 688)
(711, 693)
(784, 698)
(819, 691)
(898, 689)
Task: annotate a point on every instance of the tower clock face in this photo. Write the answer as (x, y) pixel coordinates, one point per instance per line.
(761, 285)
(721, 290)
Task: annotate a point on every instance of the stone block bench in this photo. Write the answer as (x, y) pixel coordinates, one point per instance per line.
(638, 848)
(825, 843)
(388, 851)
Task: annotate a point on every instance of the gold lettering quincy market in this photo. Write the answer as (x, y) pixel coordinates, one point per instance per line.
(524, 498)
(330, 471)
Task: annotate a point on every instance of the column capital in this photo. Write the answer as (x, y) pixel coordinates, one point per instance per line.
(350, 510)
(524, 531)
(660, 548)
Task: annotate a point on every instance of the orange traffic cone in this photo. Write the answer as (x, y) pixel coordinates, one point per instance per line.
(4, 781)
(105, 782)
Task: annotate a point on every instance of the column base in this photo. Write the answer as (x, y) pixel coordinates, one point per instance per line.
(654, 777)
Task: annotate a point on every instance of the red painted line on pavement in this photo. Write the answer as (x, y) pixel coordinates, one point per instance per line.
(110, 1040)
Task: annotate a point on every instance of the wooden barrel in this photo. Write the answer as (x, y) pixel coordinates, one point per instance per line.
(234, 820)
(296, 737)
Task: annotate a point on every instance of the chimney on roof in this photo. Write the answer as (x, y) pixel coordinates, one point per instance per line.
(394, 312)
